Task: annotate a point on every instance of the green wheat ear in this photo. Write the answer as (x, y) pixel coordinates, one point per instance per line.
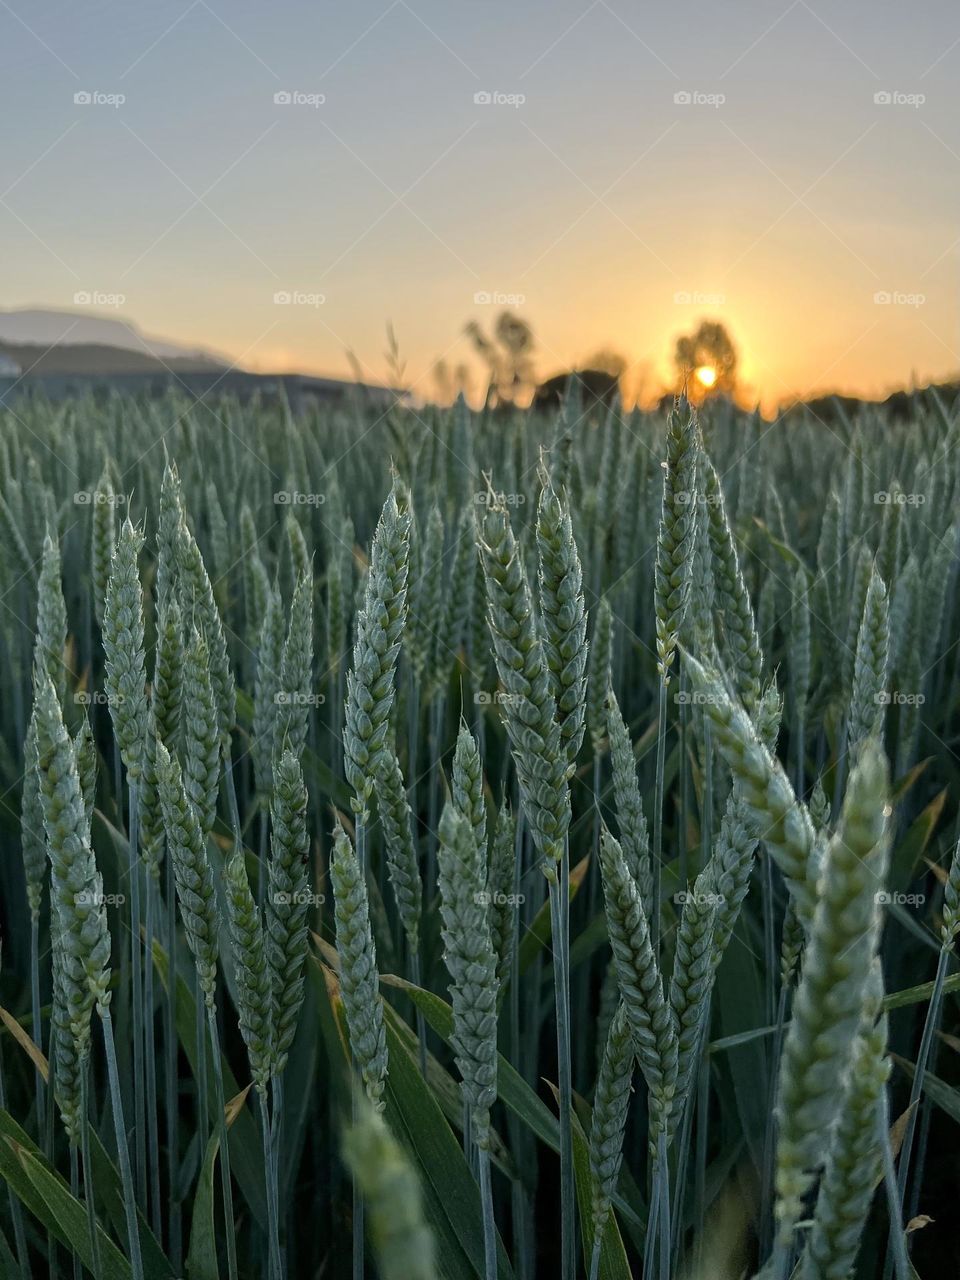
(254, 995)
(167, 692)
(610, 1105)
(870, 665)
(403, 866)
(126, 674)
(370, 681)
(51, 639)
(401, 1238)
(773, 810)
(359, 980)
(599, 674)
(471, 962)
(33, 843)
(194, 877)
(838, 960)
(296, 670)
(468, 787)
(854, 1162)
(529, 710)
(503, 908)
(203, 613)
(168, 533)
(694, 968)
(85, 750)
(102, 541)
(641, 985)
(76, 884)
(426, 597)
(676, 536)
(739, 627)
(632, 825)
(287, 902)
(267, 687)
(65, 1011)
(563, 614)
(729, 870)
(201, 734)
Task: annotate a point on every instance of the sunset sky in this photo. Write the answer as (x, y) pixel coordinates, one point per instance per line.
(782, 199)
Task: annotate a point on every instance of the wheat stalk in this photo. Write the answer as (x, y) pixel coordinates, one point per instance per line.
(563, 613)
(838, 959)
(472, 965)
(610, 1105)
(287, 902)
(775, 813)
(359, 980)
(401, 1238)
(370, 681)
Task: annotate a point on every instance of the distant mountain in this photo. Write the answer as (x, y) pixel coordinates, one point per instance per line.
(30, 360)
(37, 327)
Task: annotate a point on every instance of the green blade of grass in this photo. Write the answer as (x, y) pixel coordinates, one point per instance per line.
(106, 1181)
(512, 1090)
(613, 1255)
(246, 1156)
(451, 1197)
(45, 1195)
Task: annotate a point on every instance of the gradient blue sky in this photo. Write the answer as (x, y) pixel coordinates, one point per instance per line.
(599, 199)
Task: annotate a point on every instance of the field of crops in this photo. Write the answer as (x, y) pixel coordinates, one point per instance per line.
(440, 844)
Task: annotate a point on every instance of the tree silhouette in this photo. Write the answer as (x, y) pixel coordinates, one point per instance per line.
(508, 355)
(708, 347)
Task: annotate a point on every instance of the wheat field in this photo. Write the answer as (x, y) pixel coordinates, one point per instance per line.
(478, 845)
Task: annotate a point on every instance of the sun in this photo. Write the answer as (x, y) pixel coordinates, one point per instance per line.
(706, 375)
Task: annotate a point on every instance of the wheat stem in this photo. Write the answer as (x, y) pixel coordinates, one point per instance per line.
(16, 1213)
(919, 1071)
(225, 1180)
(657, 851)
(153, 1133)
(123, 1155)
(560, 933)
(136, 944)
(88, 1192)
(273, 1229)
